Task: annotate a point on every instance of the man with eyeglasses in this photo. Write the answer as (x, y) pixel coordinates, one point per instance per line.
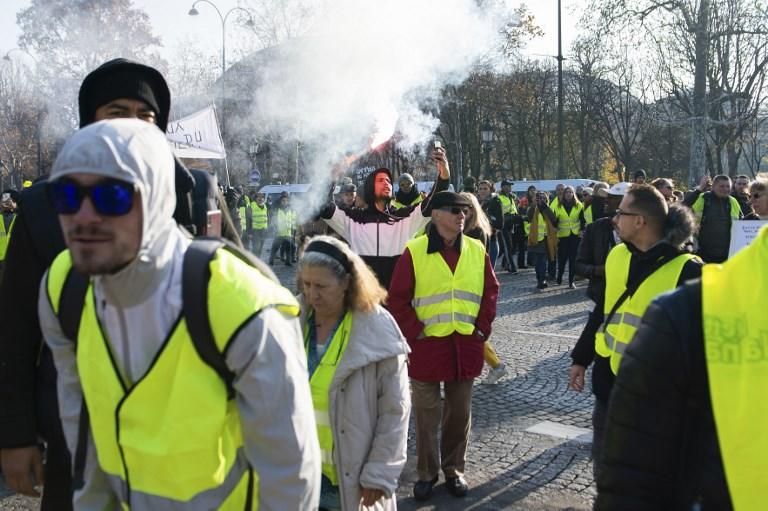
(443, 296)
(152, 422)
(650, 261)
(119, 88)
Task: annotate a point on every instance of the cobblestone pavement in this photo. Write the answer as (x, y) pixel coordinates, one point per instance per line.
(508, 467)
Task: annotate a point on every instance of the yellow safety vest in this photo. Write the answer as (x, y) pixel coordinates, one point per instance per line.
(735, 334)
(397, 204)
(612, 339)
(259, 220)
(542, 226)
(698, 208)
(507, 205)
(447, 301)
(588, 219)
(286, 220)
(568, 223)
(320, 385)
(5, 237)
(173, 438)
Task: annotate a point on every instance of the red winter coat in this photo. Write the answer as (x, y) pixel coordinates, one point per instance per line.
(451, 358)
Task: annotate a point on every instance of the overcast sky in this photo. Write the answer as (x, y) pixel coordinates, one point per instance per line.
(171, 22)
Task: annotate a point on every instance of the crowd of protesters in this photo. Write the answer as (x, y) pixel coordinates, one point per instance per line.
(158, 370)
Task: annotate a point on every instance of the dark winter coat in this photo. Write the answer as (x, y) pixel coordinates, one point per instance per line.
(597, 241)
(660, 449)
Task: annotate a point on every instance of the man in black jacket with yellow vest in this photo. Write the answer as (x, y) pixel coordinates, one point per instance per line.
(118, 88)
(686, 425)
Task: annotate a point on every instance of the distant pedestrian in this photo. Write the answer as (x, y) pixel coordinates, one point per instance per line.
(284, 222)
(542, 237)
(715, 211)
(569, 220)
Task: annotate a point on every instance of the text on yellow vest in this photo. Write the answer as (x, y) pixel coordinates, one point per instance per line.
(735, 335)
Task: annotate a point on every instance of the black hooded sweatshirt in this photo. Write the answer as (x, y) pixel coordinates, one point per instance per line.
(379, 237)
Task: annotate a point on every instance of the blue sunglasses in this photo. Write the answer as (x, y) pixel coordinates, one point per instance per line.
(110, 197)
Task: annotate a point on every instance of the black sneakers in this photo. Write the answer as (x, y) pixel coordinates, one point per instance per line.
(457, 486)
(422, 490)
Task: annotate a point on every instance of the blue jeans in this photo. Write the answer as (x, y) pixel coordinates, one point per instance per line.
(540, 263)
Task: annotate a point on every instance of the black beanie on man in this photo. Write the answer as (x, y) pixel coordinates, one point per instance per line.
(122, 78)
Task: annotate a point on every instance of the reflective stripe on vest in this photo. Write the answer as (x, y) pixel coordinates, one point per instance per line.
(259, 219)
(735, 335)
(173, 439)
(568, 223)
(286, 219)
(320, 385)
(446, 301)
(507, 205)
(613, 337)
(5, 236)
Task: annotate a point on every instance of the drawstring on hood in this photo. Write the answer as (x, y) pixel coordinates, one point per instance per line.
(137, 152)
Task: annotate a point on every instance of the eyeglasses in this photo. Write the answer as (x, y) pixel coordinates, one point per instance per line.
(110, 197)
(620, 213)
(455, 210)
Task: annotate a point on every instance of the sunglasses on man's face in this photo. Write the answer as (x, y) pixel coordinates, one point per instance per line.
(110, 197)
(455, 210)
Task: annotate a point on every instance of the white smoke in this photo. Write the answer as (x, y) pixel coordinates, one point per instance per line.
(370, 67)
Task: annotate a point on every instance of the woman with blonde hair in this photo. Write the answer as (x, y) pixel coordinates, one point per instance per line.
(476, 225)
(356, 356)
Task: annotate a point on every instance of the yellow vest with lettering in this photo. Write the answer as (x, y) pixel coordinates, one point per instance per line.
(735, 334)
(447, 301)
(320, 385)
(568, 223)
(259, 220)
(5, 237)
(173, 438)
(613, 338)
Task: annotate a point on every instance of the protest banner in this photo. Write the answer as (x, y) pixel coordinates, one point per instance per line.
(197, 136)
(743, 232)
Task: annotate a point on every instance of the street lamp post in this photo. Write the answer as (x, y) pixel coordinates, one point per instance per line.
(486, 134)
(40, 111)
(194, 12)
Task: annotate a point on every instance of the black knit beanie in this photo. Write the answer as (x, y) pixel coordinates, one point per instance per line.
(122, 78)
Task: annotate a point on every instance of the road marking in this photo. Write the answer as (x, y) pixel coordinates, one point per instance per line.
(545, 334)
(580, 435)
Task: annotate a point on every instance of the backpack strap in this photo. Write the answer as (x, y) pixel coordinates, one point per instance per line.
(72, 302)
(196, 274)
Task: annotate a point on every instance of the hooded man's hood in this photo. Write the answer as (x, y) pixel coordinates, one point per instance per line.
(137, 152)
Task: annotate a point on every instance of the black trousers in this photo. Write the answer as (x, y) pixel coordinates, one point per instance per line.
(567, 248)
(506, 250)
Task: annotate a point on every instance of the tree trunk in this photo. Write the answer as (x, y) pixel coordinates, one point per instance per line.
(697, 165)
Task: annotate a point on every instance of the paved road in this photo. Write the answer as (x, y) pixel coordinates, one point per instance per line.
(509, 467)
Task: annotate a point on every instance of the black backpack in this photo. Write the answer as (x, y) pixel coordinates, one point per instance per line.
(194, 292)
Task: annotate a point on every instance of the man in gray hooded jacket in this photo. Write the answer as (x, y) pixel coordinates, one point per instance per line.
(160, 430)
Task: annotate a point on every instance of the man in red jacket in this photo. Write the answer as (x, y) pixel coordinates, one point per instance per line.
(443, 296)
